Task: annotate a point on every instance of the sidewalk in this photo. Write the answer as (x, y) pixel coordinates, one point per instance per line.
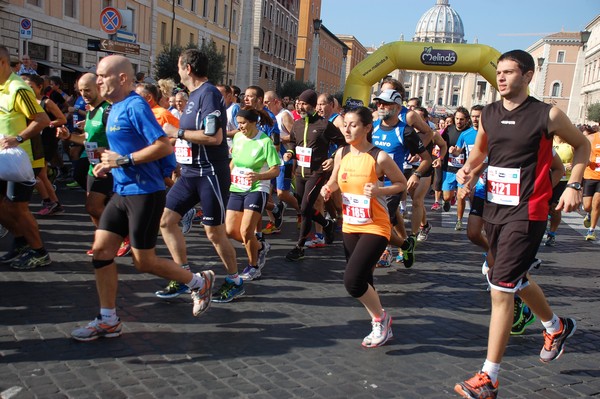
(296, 333)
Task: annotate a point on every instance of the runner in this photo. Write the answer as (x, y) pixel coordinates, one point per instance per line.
(516, 134)
(358, 174)
(138, 200)
(254, 161)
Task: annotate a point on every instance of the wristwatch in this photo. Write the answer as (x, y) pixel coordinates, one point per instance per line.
(123, 161)
(180, 134)
(575, 186)
(418, 174)
(19, 139)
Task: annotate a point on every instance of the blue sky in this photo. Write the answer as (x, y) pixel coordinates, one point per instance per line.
(504, 25)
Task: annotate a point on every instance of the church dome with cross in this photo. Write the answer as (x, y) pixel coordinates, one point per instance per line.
(440, 24)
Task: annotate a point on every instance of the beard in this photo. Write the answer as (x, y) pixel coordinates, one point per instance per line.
(384, 114)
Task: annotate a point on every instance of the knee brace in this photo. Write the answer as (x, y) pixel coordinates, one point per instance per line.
(99, 264)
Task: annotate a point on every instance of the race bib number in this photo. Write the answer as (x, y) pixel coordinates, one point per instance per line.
(240, 179)
(597, 169)
(304, 156)
(503, 185)
(183, 152)
(356, 209)
(91, 149)
(456, 161)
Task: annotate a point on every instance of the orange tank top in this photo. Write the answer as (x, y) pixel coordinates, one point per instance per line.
(362, 214)
(592, 172)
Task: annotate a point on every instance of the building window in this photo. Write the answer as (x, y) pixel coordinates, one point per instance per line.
(556, 89)
(38, 51)
(70, 57)
(106, 3)
(192, 39)
(234, 19)
(225, 15)
(223, 49)
(178, 37)
(180, 3)
(132, 27)
(560, 58)
(163, 33)
(70, 8)
(205, 9)
(37, 3)
(193, 6)
(216, 12)
(231, 62)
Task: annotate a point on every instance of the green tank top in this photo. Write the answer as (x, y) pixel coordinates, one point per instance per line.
(95, 133)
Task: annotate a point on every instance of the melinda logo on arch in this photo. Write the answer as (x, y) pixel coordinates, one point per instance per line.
(431, 56)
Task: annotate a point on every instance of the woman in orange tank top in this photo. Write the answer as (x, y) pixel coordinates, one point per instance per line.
(358, 171)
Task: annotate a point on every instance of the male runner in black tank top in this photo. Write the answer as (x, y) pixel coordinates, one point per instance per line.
(516, 135)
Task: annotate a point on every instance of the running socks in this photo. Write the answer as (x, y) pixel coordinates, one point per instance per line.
(197, 282)
(553, 326)
(235, 278)
(492, 370)
(109, 316)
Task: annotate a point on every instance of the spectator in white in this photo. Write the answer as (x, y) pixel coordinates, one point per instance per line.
(181, 99)
(26, 66)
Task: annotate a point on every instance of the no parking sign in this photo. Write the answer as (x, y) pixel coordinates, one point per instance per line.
(110, 20)
(25, 28)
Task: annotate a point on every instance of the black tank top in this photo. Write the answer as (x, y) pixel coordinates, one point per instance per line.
(519, 144)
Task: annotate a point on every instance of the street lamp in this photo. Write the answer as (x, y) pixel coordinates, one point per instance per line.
(585, 36)
(314, 62)
(540, 62)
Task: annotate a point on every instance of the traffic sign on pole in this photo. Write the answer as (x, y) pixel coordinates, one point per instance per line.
(26, 28)
(110, 20)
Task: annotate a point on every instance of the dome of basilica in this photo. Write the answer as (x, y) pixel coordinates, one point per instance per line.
(440, 24)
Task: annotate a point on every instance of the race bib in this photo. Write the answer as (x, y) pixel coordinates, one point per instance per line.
(91, 149)
(597, 169)
(456, 161)
(239, 178)
(304, 156)
(503, 185)
(183, 152)
(356, 209)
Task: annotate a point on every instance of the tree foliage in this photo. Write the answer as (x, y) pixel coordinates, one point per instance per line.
(166, 67)
(293, 88)
(593, 112)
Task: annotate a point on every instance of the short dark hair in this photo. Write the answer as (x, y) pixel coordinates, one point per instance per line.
(197, 60)
(523, 59)
(260, 93)
(477, 107)
(423, 110)
(463, 111)
(37, 80)
(416, 99)
(56, 80)
(140, 76)
(152, 90)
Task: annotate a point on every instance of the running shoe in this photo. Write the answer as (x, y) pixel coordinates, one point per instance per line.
(187, 220)
(172, 290)
(30, 260)
(424, 233)
(125, 248)
(329, 231)
(3, 231)
(73, 184)
(386, 258)
(318, 241)
(518, 311)
(554, 344)
(97, 329)
(47, 208)
(228, 291)
(409, 254)
(251, 273)
(14, 253)
(270, 228)
(202, 298)
(550, 240)
(262, 254)
(526, 320)
(477, 387)
(278, 212)
(446, 206)
(591, 235)
(587, 221)
(459, 225)
(381, 332)
(295, 254)
(58, 210)
(436, 207)
(90, 252)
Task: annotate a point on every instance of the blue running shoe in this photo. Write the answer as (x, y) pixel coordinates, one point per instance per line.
(172, 290)
(228, 292)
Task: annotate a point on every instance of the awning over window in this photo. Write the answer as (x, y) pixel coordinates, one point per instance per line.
(52, 65)
(78, 68)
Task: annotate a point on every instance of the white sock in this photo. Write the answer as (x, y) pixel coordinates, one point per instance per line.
(235, 278)
(553, 326)
(491, 369)
(109, 316)
(197, 282)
